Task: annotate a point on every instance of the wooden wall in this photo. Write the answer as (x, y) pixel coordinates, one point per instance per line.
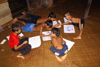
(2, 1)
(5, 13)
(34, 4)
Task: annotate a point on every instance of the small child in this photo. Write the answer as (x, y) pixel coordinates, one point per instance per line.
(76, 22)
(60, 48)
(18, 45)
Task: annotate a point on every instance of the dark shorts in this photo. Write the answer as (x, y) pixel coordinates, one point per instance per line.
(25, 49)
(33, 19)
(59, 52)
(77, 24)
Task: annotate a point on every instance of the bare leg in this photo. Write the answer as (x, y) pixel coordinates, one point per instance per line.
(79, 37)
(14, 20)
(58, 58)
(24, 12)
(20, 56)
(61, 59)
(22, 22)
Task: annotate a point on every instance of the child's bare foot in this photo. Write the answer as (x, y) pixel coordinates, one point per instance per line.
(14, 20)
(78, 37)
(24, 13)
(9, 27)
(19, 56)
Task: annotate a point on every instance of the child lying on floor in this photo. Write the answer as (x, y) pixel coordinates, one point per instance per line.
(59, 49)
(37, 19)
(18, 45)
(76, 22)
(29, 27)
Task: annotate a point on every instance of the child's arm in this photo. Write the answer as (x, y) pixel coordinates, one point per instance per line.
(57, 21)
(17, 47)
(56, 25)
(19, 37)
(80, 23)
(64, 42)
(41, 32)
(65, 22)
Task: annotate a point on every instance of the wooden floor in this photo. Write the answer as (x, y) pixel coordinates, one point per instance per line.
(84, 53)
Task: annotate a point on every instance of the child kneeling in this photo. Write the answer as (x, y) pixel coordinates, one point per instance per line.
(18, 45)
(59, 49)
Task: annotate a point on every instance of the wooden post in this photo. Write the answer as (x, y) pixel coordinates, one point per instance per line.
(87, 9)
(28, 5)
(50, 2)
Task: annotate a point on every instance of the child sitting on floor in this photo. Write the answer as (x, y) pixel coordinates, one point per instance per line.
(18, 45)
(60, 48)
(76, 22)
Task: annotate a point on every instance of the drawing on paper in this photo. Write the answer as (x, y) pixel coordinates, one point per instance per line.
(69, 29)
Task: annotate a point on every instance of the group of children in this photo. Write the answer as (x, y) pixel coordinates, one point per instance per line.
(59, 49)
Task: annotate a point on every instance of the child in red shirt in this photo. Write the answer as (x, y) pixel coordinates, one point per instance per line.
(16, 44)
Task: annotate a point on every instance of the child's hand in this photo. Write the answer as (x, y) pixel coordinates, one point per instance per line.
(80, 27)
(25, 42)
(57, 25)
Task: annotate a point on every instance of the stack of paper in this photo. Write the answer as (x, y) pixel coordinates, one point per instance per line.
(35, 41)
(69, 29)
(46, 33)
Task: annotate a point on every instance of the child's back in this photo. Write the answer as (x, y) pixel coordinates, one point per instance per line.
(59, 49)
(57, 42)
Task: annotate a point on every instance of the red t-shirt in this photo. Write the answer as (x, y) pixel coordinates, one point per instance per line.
(13, 40)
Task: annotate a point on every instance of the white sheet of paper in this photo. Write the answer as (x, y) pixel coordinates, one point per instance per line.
(35, 41)
(55, 22)
(3, 41)
(7, 37)
(69, 29)
(69, 43)
(21, 35)
(46, 33)
(65, 20)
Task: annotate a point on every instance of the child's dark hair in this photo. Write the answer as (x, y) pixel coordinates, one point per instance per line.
(52, 15)
(56, 31)
(49, 23)
(67, 12)
(15, 27)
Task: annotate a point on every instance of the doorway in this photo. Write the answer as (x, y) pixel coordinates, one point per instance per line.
(17, 6)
